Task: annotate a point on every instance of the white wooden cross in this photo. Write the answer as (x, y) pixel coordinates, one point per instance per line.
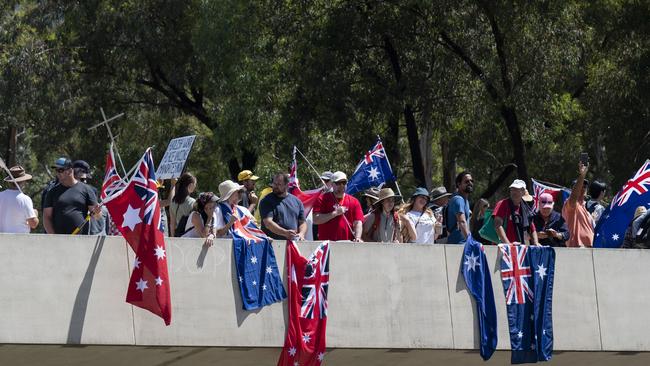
(110, 134)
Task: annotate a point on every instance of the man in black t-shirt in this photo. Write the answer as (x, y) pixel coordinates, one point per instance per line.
(283, 215)
(67, 204)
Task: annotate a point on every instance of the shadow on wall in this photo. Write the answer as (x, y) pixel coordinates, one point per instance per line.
(75, 330)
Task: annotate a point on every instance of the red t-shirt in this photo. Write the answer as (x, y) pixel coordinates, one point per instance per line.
(337, 228)
(502, 210)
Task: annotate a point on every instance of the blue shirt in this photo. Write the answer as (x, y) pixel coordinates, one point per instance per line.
(457, 204)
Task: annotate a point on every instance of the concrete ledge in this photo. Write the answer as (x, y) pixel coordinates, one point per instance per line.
(70, 290)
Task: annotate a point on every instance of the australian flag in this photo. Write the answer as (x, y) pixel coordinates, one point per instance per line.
(372, 171)
(479, 283)
(257, 270)
(610, 229)
(527, 274)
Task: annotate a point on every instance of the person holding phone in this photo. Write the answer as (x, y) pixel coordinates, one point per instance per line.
(551, 228)
(574, 212)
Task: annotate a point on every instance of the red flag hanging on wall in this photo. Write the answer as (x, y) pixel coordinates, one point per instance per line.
(135, 210)
(308, 285)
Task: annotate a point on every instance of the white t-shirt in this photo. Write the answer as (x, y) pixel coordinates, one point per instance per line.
(219, 222)
(15, 209)
(425, 228)
(193, 233)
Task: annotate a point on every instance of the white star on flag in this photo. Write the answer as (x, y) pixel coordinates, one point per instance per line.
(615, 237)
(254, 283)
(520, 334)
(160, 252)
(321, 356)
(141, 285)
(292, 351)
(159, 281)
(131, 218)
(471, 262)
(269, 269)
(296, 363)
(306, 337)
(136, 263)
(541, 271)
(254, 259)
(241, 279)
(264, 287)
(373, 173)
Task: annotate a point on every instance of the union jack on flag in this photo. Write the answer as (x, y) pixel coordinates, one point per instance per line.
(559, 194)
(315, 296)
(146, 187)
(639, 184)
(243, 227)
(112, 181)
(515, 271)
(377, 151)
(373, 170)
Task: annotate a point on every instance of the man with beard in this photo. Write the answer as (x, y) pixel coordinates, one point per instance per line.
(458, 212)
(517, 215)
(283, 215)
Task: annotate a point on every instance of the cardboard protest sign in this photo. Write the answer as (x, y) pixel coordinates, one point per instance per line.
(173, 162)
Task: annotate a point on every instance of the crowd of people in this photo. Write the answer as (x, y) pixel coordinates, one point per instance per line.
(70, 206)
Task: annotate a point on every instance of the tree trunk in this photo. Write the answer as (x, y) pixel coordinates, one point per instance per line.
(12, 144)
(249, 160)
(448, 164)
(414, 145)
(391, 144)
(518, 149)
(494, 186)
(426, 148)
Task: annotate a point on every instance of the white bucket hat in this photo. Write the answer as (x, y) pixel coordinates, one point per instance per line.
(227, 188)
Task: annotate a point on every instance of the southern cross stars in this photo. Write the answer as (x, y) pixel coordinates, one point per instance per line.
(269, 269)
(141, 285)
(160, 252)
(254, 259)
(541, 271)
(292, 351)
(159, 281)
(136, 263)
(131, 218)
(321, 356)
(520, 334)
(471, 262)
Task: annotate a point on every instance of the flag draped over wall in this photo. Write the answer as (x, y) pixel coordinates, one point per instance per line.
(308, 280)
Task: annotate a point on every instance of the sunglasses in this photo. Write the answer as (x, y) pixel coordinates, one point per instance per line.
(342, 183)
(60, 170)
(85, 180)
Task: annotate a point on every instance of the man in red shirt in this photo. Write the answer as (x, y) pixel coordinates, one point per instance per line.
(337, 214)
(516, 215)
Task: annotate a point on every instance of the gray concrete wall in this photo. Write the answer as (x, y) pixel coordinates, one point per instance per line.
(70, 290)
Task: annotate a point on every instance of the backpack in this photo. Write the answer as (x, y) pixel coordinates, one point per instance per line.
(180, 228)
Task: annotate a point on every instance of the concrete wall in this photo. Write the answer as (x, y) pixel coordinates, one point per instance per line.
(69, 290)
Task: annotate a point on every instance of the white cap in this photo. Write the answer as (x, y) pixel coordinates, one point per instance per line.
(518, 183)
(339, 176)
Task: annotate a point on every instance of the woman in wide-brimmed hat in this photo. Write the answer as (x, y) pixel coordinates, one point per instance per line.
(228, 211)
(419, 224)
(382, 223)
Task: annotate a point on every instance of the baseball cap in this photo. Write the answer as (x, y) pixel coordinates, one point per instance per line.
(339, 176)
(518, 183)
(62, 163)
(83, 165)
(245, 175)
(327, 175)
(546, 200)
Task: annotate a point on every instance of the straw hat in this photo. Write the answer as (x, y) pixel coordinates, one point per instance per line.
(18, 174)
(227, 188)
(372, 193)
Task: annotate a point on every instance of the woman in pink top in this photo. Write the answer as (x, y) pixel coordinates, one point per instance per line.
(575, 213)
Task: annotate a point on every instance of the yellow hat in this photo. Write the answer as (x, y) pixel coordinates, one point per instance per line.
(245, 175)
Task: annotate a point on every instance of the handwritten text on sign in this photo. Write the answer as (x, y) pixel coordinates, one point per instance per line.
(173, 161)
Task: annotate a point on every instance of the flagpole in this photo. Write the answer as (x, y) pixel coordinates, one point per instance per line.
(391, 169)
(322, 181)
